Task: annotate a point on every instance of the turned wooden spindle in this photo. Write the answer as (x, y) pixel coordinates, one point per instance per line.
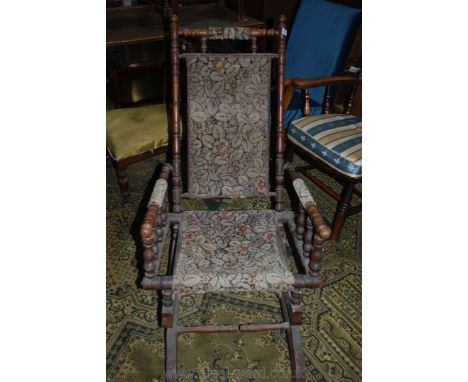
(280, 141)
(167, 298)
(306, 107)
(150, 255)
(158, 230)
(316, 256)
(300, 221)
(176, 143)
(307, 244)
(149, 221)
(326, 101)
(296, 310)
(296, 296)
(151, 232)
(254, 44)
(204, 45)
(349, 103)
(167, 308)
(155, 237)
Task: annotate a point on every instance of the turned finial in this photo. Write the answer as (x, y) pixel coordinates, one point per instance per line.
(282, 20)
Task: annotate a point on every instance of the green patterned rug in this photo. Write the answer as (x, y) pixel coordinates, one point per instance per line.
(331, 332)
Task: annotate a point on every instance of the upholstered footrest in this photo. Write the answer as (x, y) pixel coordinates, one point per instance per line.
(230, 251)
(333, 138)
(133, 131)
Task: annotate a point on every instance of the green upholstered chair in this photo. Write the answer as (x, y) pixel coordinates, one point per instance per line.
(134, 134)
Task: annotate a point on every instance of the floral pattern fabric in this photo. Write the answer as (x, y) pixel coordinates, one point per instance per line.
(229, 33)
(228, 116)
(303, 192)
(230, 251)
(159, 192)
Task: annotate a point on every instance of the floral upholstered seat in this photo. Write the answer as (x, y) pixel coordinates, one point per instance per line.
(230, 251)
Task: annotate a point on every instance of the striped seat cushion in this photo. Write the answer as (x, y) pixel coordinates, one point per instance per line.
(333, 138)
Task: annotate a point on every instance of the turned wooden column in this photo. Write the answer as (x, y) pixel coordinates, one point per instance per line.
(280, 140)
(150, 252)
(176, 145)
(167, 308)
(307, 244)
(296, 307)
(316, 257)
(300, 221)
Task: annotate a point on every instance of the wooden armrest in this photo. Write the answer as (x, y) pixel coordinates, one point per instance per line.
(302, 83)
(320, 226)
(292, 84)
(155, 203)
(308, 202)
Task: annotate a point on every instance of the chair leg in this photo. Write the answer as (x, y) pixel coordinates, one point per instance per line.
(292, 313)
(171, 354)
(171, 340)
(123, 181)
(340, 214)
(296, 353)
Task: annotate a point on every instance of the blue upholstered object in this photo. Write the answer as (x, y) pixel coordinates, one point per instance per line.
(321, 37)
(333, 138)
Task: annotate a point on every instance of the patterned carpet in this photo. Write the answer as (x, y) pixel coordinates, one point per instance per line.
(331, 332)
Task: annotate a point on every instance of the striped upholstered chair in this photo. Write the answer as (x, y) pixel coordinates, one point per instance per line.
(330, 142)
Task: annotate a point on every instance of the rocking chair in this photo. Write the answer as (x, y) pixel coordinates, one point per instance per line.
(228, 97)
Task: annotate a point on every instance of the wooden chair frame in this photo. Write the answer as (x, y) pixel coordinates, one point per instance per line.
(116, 76)
(307, 228)
(344, 205)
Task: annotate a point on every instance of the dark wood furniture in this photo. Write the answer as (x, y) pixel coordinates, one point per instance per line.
(115, 79)
(351, 83)
(174, 7)
(121, 168)
(142, 26)
(307, 229)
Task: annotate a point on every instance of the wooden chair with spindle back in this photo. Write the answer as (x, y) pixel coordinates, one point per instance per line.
(330, 142)
(228, 157)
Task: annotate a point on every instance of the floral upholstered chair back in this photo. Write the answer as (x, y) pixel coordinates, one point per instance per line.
(228, 124)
